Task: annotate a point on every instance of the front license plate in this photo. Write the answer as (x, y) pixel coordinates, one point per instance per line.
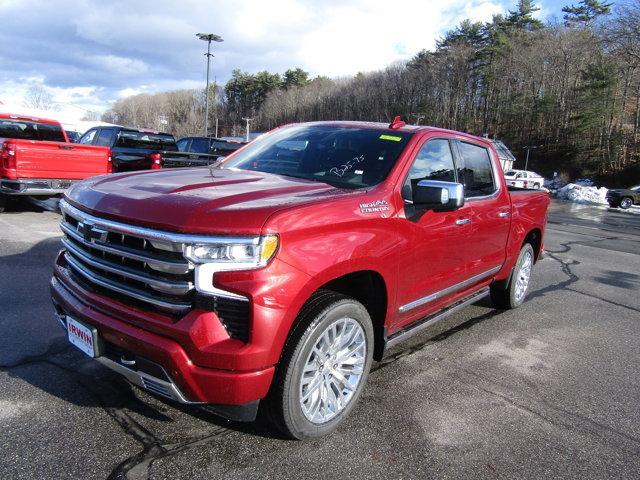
(82, 336)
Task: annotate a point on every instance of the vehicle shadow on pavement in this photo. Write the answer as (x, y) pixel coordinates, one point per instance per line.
(629, 281)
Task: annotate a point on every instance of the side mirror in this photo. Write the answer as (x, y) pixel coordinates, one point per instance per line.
(438, 196)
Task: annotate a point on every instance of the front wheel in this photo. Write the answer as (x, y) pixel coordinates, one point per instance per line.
(324, 367)
(625, 203)
(536, 186)
(518, 285)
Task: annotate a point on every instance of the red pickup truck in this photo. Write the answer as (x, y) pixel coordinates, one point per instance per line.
(37, 158)
(276, 278)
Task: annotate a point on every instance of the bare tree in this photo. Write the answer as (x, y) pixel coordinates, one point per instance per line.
(39, 97)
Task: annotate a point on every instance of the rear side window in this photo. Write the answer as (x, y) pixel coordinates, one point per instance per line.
(29, 130)
(146, 140)
(477, 174)
(104, 137)
(434, 161)
(200, 145)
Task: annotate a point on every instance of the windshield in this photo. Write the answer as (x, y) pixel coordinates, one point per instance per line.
(153, 141)
(341, 156)
(511, 173)
(29, 130)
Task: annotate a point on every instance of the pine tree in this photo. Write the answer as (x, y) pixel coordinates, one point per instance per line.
(585, 12)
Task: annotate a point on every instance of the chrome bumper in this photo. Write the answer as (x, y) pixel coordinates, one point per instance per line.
(35, 186)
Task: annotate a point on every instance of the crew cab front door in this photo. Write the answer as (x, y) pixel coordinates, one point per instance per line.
(435, 257)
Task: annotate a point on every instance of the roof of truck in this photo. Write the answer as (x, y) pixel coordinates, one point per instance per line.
(404, 128)
(31, 118)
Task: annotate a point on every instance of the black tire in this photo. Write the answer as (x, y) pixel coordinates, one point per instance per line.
(536, 186)
(282, 406)
(3, 202)
(504, 295)
(626, 202)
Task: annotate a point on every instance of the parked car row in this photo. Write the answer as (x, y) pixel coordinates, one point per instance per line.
(37, 157)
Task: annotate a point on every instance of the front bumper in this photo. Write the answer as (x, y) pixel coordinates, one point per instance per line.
(235, 391)
(37, 187)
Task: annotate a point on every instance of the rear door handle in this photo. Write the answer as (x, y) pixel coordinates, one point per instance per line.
(504, 214)
(463, 221)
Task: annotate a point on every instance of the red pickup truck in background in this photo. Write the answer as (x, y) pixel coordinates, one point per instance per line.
(37, 158)
(275, 279)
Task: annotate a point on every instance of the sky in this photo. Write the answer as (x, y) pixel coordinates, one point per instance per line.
(90, 53)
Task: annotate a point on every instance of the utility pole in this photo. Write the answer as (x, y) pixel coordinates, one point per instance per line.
(419, 116)
(528, 149)
(247, 120)
(208, 37)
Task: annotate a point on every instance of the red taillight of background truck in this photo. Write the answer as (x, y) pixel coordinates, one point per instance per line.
(8, 160)
(156, 161)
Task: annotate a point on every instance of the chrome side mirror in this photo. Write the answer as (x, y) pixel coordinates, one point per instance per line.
(438, 196)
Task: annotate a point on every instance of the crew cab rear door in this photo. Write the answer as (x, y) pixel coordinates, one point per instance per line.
(488, 208)
(434, 261)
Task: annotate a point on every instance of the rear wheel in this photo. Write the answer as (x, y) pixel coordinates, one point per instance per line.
(518, 285)
(536, 186)
(626, 202)
(324, 367)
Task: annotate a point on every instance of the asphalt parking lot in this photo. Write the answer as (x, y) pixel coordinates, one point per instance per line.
(551, 390)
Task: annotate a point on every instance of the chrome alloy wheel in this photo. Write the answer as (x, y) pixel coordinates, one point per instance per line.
(523, 277)
(333, 370)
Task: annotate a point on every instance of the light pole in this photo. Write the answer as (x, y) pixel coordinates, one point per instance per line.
(208, 37)
(247, 120)
(528, 149)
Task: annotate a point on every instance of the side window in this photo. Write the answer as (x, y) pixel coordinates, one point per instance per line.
(182, 144)
(104, 137)
(87, 138)
(477, 174)
(434, 161)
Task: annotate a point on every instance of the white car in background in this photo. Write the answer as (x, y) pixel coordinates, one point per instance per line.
(523, 179)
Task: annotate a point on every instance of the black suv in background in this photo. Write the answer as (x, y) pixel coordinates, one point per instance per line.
(624, 198)
(139, 149)
(208, 145)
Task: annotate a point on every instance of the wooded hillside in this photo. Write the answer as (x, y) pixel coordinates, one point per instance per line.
(572, 90)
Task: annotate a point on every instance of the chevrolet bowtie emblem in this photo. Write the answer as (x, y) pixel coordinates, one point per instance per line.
(90, 232)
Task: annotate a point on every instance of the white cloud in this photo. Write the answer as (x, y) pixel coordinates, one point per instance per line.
(93, 52)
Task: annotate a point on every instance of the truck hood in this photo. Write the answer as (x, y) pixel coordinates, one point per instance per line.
(197, 200)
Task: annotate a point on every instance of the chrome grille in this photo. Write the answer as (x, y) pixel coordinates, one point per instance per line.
(136, 264)
(143, 267)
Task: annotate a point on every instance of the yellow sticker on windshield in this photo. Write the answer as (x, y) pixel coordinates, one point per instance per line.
(390, 137)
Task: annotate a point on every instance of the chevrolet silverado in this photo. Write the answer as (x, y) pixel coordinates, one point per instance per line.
(36, 158)
(272, 281)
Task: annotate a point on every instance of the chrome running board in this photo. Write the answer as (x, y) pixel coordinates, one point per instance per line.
(430, 320)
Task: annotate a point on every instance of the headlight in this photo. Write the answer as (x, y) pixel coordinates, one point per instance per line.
(236, 255)
(253, 253)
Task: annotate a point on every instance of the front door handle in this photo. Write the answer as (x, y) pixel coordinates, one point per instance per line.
(463, 221)
(504, 214)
